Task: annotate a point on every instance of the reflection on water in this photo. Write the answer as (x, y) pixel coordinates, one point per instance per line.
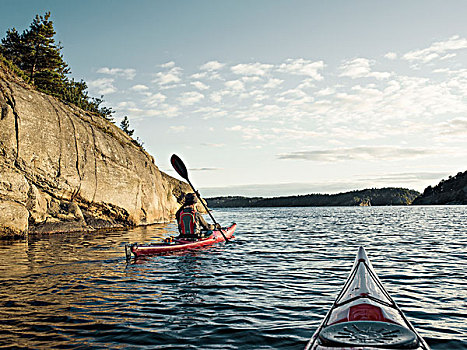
(267, 289)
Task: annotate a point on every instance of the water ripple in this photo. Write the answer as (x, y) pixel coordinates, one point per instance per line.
(268, 289)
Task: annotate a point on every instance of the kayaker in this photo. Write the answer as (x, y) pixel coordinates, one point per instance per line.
(191, 223)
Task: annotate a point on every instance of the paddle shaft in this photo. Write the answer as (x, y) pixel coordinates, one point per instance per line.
(205, 207)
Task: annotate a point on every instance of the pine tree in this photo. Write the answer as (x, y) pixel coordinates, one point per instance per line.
(105, 112)
(11, 47)
(75, 92)
(36, 53)
(125, 126)
(43, 61)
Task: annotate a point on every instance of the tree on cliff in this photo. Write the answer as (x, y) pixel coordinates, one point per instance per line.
(125, 126)
(36, 53)
(11, 47)
(105, 112)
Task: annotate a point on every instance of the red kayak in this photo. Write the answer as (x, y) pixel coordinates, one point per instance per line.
(364, 316)
(178, 244)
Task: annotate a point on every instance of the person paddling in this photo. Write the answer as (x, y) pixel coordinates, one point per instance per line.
(190, 222)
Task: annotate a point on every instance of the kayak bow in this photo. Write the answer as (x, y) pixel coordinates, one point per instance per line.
(178, 244)
(364, 316)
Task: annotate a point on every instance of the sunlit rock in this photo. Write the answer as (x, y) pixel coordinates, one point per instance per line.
(65, 169)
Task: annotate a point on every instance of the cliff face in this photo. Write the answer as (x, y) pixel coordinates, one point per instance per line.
(63, 169)
(450, 191)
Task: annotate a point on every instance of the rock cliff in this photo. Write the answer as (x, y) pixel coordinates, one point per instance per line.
(63, 169)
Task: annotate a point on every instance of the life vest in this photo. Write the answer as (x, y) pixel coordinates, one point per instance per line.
(188, 225)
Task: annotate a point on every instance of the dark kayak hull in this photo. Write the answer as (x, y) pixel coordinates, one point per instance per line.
(364, 316)
(179, 244)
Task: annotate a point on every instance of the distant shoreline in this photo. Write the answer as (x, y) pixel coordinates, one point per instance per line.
(389, 196)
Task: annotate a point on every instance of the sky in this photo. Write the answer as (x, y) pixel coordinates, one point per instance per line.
(277, 97)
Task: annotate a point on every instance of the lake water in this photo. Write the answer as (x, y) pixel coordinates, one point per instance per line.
(268, 289)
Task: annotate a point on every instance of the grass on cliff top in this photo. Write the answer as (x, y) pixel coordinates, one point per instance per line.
(14, 68)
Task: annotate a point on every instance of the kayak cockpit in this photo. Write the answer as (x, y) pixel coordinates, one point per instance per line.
(369, 334)
(364, 316)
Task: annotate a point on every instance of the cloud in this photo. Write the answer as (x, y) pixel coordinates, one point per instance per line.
(211, 112)
(126, 105)
(290, 103)
(162, 110)
(361, 68)
(448, 56)
(265, 112)
(212, 66)
(258, 95)
(437, 50)
(248, 132)
(273, 83)
(384, 106)
(358, 153)
(235, 85)
(139, 88)
(252, 69)
(421, 97)
(326, 91)
(166, 110)
(190, 98)
(250, 79)
(199, 75)
(300, 66)
(294, 97)
(128, 73)
(173, 76)
(294, 93)
(168, 65)
(154, 100)
(217, 96)
(103, 86)
(199, 85)
(454, 127)
(307, 83)
(391, 55)
(205, 169)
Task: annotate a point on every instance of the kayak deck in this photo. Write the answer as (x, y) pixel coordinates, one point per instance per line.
(178, 244)
(364, 316)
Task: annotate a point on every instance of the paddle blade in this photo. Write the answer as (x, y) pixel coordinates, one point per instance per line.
(179, 167)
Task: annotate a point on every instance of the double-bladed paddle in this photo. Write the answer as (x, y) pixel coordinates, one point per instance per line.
(180, 168)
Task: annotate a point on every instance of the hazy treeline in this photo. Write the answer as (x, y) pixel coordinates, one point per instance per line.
(377, 197)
